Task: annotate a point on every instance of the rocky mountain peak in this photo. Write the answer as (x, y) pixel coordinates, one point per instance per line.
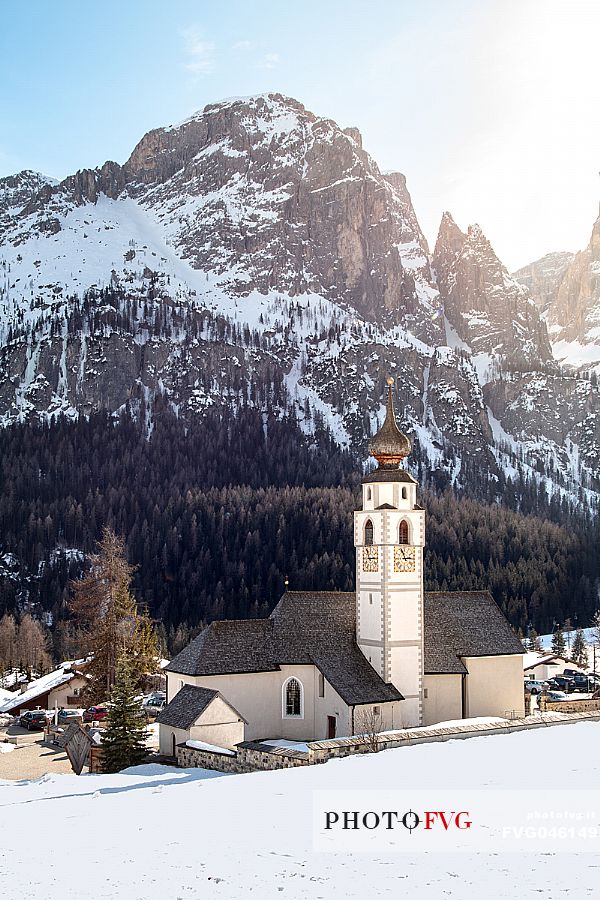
(488, 309)
(543, 277)
(260, 194)
(256, 254)
(574, 313)
(16, 191)
(595, 239)
(449, 243)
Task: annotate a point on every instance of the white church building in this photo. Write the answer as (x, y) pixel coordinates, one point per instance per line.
(330, 664)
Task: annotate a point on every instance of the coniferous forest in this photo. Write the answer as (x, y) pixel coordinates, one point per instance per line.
(217, 512)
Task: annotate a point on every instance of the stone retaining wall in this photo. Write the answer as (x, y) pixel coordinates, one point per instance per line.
(574, 706)
(253, 756)
(321, 751)
(250, 756)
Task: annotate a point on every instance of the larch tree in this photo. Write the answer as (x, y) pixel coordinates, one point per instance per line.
(8, 644)
(103, 604)
(33, 645)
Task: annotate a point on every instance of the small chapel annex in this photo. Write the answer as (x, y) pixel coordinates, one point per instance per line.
(324, 663)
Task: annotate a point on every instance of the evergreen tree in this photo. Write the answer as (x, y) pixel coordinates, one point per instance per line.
(535, 641)
(124, 739)
(579, 652)
(558, 642)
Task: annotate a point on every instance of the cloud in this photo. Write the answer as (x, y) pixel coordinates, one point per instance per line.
(269, 61)
(201, 53)
(243, 45)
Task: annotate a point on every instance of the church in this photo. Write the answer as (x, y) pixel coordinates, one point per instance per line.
(329, 664)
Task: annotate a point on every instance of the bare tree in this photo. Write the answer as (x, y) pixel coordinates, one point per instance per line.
(369, 726)
(8, 643)
(33, 644)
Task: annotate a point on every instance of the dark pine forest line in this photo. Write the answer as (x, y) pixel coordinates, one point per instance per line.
(218, 512)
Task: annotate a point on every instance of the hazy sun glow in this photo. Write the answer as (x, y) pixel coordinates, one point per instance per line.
(490, 107)
(531, 163)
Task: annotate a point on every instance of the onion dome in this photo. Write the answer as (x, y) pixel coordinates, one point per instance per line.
(390, 445)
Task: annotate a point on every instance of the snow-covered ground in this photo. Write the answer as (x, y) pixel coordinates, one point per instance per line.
(589, 636)
(162, 834)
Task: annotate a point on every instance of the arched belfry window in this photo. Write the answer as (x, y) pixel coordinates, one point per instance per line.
(293, 705)
(368, 493)
(403, 532)
(368, 533)
(404, 493)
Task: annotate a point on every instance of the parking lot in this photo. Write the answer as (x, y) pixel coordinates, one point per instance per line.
(30, 758)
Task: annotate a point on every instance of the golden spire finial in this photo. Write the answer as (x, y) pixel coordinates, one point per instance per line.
(390, 445)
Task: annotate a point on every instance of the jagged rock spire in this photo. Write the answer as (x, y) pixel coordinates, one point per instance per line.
(390, 445)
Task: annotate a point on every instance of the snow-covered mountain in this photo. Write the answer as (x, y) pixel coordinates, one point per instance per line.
(255, 253)
(543, 277)
(566, 288)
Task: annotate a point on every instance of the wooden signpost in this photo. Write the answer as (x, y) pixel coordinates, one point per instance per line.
(77, 744)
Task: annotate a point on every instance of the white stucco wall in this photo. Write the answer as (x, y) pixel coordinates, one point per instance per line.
(258, 698)
(444, 698)
(219, 725)
(388, 718)
(58, 697)
(494, 686)
(548, 670)
(165, 738)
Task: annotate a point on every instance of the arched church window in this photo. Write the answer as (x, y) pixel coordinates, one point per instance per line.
(292, 698)
(368, 493)
(403, 532)
(404, 493)
(368, 532)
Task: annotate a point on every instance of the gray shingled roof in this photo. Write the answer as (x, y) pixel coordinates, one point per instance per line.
(305, 628)
(464, 623)
(228, 647)
(188, 704)
(318, 627)
(388, 475)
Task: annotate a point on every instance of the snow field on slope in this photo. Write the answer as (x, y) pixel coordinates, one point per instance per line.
(162, 834)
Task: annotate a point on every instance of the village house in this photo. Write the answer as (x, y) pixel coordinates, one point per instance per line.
(327, 664)
(542, 666)
(59, 688)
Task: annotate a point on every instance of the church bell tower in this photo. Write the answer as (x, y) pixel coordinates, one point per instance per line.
(389, 536)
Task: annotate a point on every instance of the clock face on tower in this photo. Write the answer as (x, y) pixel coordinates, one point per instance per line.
(404, 558)
(370, 559)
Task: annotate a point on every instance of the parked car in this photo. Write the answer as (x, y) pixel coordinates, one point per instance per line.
(66, 716)
(556, 696)
(571, 672)
(584, 684)
(35, 720)
(535, 687)
(95, 714)
(153, 705)
(562, 683)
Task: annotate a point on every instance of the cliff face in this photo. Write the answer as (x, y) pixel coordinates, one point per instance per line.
(489, 310)
(575, 313)
(566, 288)
(265, 196)
(255, 254)
(543, 277)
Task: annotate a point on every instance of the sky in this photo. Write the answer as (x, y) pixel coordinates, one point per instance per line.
(491, 108)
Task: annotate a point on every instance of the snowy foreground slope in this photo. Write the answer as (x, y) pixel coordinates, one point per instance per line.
(167, 833)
